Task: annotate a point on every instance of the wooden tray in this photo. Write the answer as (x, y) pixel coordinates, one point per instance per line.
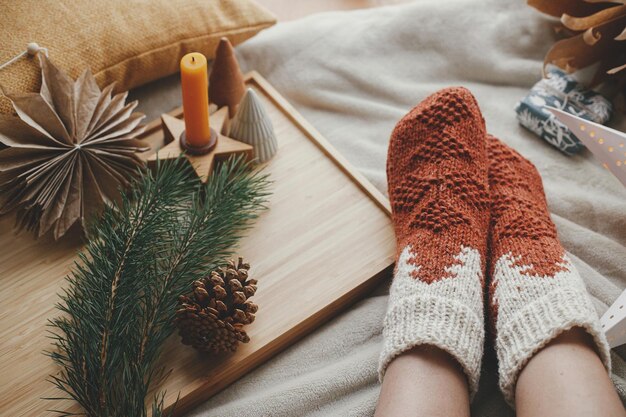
(324, 242)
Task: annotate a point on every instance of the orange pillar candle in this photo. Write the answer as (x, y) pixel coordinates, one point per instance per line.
(195, 85)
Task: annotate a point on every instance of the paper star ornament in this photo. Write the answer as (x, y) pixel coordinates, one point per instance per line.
(70, 150)
(607, 145)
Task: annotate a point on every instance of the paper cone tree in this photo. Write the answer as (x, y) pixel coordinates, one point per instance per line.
(253, 126)
(226, 85)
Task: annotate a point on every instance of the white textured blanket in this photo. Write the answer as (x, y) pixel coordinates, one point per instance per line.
(353, 75)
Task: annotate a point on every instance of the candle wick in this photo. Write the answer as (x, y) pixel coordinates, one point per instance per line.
(193, 59)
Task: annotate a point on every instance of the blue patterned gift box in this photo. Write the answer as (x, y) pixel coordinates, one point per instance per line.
(563, 92)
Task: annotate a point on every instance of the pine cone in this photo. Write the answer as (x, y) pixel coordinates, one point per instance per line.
(212, 317)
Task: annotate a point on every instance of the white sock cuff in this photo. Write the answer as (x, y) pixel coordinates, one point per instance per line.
(447, 313)
(539, 322)
(450, 326)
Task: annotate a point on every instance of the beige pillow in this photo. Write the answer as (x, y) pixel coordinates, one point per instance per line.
(131, 42)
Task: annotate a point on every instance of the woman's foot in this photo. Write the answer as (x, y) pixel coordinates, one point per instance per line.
(438, 188)
(535, 292)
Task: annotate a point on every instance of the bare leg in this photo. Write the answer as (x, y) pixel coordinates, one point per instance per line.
(424, 381)
(567, 378)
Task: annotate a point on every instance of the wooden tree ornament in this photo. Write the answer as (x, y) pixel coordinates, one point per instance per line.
(226, 85)
(203, 164)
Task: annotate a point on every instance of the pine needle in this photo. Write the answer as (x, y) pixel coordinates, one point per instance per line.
(118, 308)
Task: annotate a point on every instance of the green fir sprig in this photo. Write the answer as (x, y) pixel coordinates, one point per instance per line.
(119, 305)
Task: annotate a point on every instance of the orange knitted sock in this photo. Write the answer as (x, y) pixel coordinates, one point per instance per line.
(535, 292)
(438, 188)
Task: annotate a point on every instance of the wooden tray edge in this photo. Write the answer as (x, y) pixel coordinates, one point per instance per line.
(320, 141)
(190, 400)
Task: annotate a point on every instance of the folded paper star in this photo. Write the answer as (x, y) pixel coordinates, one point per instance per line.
(607, 145)
(203, 164)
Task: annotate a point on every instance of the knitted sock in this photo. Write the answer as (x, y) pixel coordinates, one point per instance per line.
(535, 292)
(437, 177)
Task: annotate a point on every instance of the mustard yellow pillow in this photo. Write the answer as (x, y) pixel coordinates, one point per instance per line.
(131, 42)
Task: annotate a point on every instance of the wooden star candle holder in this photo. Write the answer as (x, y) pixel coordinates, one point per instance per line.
(192, 150)
(173, 130)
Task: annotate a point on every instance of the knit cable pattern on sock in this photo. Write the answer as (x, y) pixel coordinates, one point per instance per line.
(438, 188)
(535, 292)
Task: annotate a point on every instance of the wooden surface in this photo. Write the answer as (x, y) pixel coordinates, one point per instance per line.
(295, 9)
(324, 242)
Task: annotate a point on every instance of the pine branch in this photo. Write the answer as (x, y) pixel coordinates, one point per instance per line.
(120, 302)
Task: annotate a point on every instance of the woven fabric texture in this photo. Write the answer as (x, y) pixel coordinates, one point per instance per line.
(438, 189)
(130, 42)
